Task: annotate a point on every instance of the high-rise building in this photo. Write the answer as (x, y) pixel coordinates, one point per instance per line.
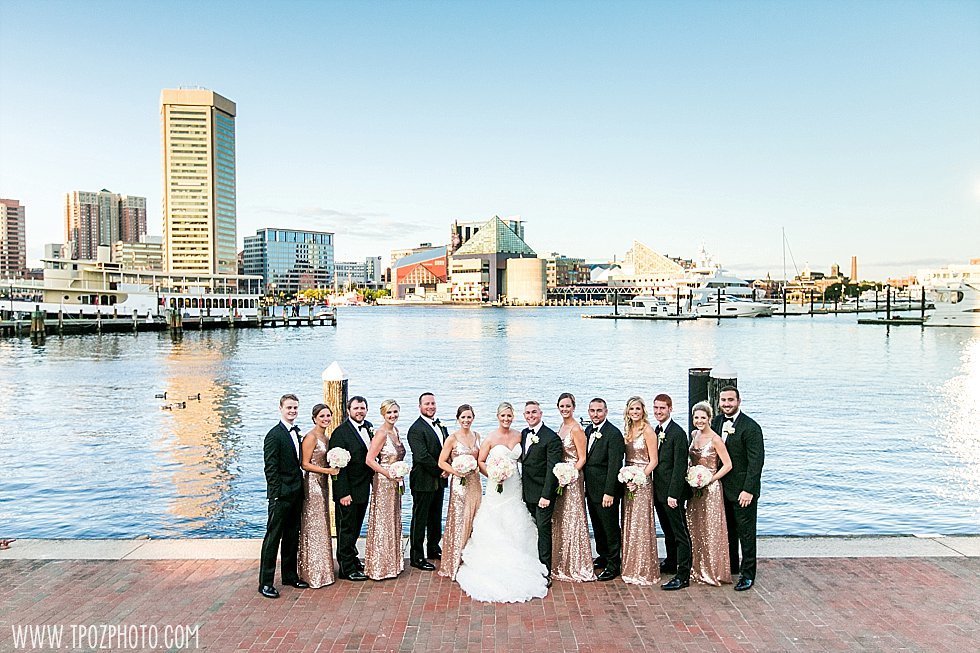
(199, 214)
(144, 255)
(13, 238)
(102, 218)
(289, 260)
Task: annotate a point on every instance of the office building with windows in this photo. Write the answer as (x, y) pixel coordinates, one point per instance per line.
(290, 260)
(13, 239)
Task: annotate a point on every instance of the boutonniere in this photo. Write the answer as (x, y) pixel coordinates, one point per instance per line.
(532, 439)
(728, 429)
(661, 438)
(370, 431)
(597, 435)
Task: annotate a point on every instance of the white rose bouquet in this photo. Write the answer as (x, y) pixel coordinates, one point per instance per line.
(338, 458)
(698, 477)
(398, 471)
(566, 474)
(464, 465)
(499, 469)
(633, 477)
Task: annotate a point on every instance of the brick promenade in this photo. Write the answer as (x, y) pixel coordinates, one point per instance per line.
(799, 604)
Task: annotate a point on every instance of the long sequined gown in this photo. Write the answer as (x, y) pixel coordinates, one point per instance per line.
(463, 503)
(641, 565)
(571, 549)
(314, 559)
(383, 554)
(706, 520)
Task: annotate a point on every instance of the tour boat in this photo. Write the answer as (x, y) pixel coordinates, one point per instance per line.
(658, 307)
(957, 304)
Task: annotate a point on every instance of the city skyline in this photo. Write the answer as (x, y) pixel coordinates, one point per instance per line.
(851, 125)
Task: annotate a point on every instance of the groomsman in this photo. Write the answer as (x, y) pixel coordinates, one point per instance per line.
(427, 482)
(352, 486)
(542, 450)
(605, 452)
(284, 489)
(743, 437)
(670, 492)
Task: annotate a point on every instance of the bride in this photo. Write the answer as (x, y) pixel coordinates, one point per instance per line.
(500, 562)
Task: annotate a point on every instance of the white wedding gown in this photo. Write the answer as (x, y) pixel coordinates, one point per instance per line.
(500, 562)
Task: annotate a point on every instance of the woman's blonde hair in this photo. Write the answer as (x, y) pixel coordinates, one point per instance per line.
(387, 404)
(504, 405)
(704, 407)
(630, 425)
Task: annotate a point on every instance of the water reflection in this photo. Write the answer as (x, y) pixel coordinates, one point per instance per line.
(959, 425)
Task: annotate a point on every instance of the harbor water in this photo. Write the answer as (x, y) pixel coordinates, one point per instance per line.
(868, 430)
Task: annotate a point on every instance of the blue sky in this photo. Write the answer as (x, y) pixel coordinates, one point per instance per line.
(854, 125)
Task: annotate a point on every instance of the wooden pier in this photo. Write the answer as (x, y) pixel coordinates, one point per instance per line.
(657, 318)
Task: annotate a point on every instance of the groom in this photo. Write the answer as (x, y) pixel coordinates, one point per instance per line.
(605, 452)
(541, 451)
(743, 438)
(427, 482)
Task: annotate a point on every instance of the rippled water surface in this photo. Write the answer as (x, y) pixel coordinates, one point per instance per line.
(867, 430)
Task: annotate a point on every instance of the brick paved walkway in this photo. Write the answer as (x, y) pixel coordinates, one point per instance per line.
(833, 604)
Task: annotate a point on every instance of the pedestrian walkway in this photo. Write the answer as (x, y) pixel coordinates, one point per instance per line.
(812, 594)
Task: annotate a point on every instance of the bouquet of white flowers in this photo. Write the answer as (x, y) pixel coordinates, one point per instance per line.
(499, 469)
(698, 477)
(338, 458)
(633, 477)
(565, 473)
(464, 465)
(398, 471)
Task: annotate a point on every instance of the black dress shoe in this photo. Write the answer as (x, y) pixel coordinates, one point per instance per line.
(675, 583)
(269, 592)
(355, 576)
(547, 580)
(424, 565)
(608, 574)
(743, 584)
(667, 569)
(598, 563)
(300, 585)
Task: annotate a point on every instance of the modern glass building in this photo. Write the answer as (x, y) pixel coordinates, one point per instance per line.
(289, 260)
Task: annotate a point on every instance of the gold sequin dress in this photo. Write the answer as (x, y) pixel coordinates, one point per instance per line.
(641, 564)
(706, 521)
(571, 549)
(463, 503)
(314, 559)
(383, 556)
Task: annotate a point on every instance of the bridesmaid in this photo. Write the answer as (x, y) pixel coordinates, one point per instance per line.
(571, 549)
(641, 564)
(706, 513)
(315, 555)
(383, 557)
(463, 499)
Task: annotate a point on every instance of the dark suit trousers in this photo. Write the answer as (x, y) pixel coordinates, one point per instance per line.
(281, 532)
(677, 539)
(742, 531)
(605, 527)
(349, 521)
(426, 523)
(542, 520)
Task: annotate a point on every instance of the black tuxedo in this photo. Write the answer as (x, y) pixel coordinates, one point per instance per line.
(747, 451)
(538, 482)
(603, 460)
(428, 488)
(669, 481)
(354, 481)
(284, 489)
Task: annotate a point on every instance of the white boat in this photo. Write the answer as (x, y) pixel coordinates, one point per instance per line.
(728, 306)
(957, 304)
(90, 288)
(658, 307)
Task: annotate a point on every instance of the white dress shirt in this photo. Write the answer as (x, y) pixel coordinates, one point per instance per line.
(362, 433)
(293, 435)
(436, 429)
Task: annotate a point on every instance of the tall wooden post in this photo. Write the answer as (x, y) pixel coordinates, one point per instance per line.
(922, 306)
(697, 390)
(721, 375)
(335, 396)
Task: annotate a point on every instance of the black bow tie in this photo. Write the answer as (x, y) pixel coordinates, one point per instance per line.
(658, 430)
(294, 429)
(436, 422)
(729, 419)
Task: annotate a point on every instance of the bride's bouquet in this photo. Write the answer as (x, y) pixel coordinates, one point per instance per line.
(698, 477)
(633, 477)
(338, 458)
(398, 471)
(565, 473)
(499, 469)
(464, 465)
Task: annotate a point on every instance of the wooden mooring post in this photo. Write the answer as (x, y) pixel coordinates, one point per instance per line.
(335, 397)
(38, 332)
